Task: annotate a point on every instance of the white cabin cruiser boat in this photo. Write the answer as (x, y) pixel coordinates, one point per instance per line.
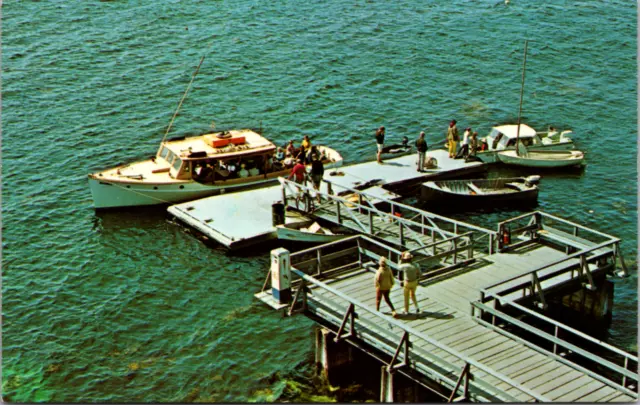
(195, 167)
(504, 137)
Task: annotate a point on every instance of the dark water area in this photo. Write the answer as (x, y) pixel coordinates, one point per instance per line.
(130, 307)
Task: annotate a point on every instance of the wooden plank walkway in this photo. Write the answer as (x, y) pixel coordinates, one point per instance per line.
(445, 317)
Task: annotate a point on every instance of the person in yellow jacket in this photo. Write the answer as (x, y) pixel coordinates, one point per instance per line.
(384, 282)
(452, 139)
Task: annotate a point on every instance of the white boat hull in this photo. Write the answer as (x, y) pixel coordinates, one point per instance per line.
(297, 235)
(491, 156)
(543, 159)
(112, 194)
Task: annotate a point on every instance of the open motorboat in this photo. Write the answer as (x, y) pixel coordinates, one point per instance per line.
(188, 168)
(397, 149)
(542, 159)
(481, 192)
(504, 137)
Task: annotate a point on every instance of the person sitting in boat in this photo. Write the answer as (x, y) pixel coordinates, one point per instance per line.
(243, 171)
(473, 144)
(206, 174)
(552, 132)
(274, 165)
(279, 155)
(233, 168)
(221, 173)
(306, 142)
(253, 167)
(290, 149)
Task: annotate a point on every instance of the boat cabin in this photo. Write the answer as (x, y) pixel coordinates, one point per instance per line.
(222, 157)
(504, 137)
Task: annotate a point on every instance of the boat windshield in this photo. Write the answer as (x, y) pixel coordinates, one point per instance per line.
(177, 163)
(164, 152)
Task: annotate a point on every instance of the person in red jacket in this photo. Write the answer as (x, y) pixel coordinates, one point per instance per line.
(298, 173)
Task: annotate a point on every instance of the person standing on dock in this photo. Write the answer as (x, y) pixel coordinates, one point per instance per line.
(384, 282)
(317, 172)
(452, 138)
(298, 173)
(421, 146)
(464, 146)
(380, 142)
(410, 276)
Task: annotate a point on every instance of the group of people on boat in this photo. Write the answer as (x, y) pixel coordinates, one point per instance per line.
(285, 158)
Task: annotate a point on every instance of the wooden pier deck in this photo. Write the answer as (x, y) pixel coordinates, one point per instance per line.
(452, 338)
(241, 219)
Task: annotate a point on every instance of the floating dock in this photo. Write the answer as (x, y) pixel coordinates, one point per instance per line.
(475, 339)
(241, 219)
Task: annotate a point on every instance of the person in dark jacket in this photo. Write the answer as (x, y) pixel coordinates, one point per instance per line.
(380, 142)
(317, 172)
(421, 146)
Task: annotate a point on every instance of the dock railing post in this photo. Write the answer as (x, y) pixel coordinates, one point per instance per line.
(371, 222)
(618, 255)
(401, 234)
(284, 196)
(455, 250)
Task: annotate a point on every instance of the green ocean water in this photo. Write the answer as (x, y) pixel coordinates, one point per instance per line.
(129, 307)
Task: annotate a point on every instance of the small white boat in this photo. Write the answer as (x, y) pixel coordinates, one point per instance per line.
(307, 231)
(504, 137)
(185, 169)
(542, 159)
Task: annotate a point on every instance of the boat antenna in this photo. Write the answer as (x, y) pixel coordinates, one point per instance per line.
(524, 65)
(183, 97)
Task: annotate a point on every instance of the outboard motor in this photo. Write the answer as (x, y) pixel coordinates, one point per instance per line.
(532, 180)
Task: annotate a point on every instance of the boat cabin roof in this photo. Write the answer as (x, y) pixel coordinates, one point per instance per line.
(511, 131)
(219, 145)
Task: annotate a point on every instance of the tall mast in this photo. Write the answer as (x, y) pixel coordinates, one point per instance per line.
(183, 97)
(524, 65)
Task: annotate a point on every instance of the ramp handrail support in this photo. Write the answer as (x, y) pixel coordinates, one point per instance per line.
(574, 255)
(394, 204)
(538, 217)
(565, 328)
(405, 222)
(415, 333)
(462, 236)
(625, 373)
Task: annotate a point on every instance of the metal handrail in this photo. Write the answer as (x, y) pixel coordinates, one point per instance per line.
(426, 214)
(555, 218)
(343, 201)
(421, 335)
(540, 316)
(553, 263)
(623, 371)
(409, 222)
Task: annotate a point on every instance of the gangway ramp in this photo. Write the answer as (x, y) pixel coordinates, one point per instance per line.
(447, 342)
